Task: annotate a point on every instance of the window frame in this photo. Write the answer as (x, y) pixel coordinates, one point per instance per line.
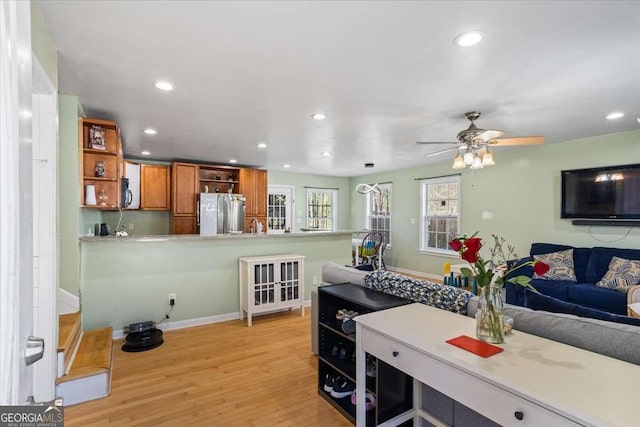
(424, 201)
(368, 210)
(334, 206)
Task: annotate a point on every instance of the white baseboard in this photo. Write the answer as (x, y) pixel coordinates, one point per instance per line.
(188, 323)
(67, 302)
(415, 273)
(84, 389)
(199, 321)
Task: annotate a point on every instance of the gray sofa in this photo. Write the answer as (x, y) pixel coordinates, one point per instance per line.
(615, 340)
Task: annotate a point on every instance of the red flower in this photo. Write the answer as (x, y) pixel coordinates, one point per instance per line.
(469, 256)
(540, 268)
(473, 244)
(456, 245)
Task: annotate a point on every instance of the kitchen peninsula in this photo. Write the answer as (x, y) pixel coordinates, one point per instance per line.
(128, 279)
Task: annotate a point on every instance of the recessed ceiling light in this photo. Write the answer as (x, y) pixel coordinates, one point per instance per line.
(262, 145)
(233, 161)
(318, 116)
(468, 39)
(150, 131)
(163, 85)
(145, 153)
(615, 115)
(286, 166)
(325, 154)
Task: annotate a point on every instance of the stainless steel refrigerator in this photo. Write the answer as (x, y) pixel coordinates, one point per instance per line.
(221, 213)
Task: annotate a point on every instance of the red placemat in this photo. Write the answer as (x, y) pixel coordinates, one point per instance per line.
(475, 346)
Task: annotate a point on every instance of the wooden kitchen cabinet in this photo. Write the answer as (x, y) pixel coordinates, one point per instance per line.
(184, 196)
(106, 150)
(154, 187)
(253, 184)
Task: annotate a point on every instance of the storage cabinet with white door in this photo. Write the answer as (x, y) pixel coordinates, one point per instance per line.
(269, 283)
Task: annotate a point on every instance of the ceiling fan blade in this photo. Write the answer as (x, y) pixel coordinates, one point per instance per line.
(524, 140)
(490, 134)
(436, 142)
(435, 153)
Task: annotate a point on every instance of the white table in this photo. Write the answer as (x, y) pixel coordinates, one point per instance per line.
(549, 383)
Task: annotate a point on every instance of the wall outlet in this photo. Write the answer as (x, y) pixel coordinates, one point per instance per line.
(131, 226)
(413, 221)
(315, 280)
(172, 296)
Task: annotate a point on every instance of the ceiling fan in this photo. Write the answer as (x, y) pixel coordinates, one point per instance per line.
(475, 142)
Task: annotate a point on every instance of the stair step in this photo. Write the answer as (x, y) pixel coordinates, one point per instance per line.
(93, 356)
(68, 328)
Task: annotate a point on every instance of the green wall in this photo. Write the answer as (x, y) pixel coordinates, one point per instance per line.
(144, 222)
(43, 46)
(124, 281)
(300, 181)
(522, 191)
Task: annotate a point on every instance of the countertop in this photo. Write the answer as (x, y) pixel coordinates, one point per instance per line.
(197, 237)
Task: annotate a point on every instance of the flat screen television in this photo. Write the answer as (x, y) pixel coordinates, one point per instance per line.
(608, 193)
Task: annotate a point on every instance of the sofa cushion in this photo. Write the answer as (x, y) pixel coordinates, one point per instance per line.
(560, 265)
(611, 339)
(555, 288)
(589, 295)
(622, 274)
(580, 257)
(537, 301)
(601, 258)
(444, 297)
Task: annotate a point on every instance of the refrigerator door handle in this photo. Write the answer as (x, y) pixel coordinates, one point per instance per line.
(198, 212)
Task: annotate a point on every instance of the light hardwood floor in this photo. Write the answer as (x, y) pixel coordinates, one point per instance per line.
(225, 374)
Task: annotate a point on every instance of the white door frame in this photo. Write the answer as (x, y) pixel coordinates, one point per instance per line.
(291, 190)
(45, 244)
(16, 217)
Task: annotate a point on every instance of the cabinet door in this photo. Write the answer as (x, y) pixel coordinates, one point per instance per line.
(154, 187)
(264, 284)
(260, 192)
(247, 178)
(289, 280)
(184, 186)
(183, 225)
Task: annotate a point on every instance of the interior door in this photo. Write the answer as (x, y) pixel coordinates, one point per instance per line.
(16, 245)
(279, 209)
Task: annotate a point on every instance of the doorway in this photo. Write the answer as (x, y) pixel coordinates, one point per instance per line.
(280, 205)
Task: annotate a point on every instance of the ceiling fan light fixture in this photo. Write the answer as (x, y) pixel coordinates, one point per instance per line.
(476, 164)
(468, 158)
(458, 162)
(487, 159)
(469, 38)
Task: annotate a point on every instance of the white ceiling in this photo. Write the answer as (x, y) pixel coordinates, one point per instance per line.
(386, 74)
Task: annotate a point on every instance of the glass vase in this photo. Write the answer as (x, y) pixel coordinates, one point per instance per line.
(489, 320)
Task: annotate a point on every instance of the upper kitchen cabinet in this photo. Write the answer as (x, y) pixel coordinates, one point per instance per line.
(100, 157)
(149, 187)
(154, 188)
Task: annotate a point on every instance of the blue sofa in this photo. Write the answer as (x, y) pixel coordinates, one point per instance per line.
(590, 264)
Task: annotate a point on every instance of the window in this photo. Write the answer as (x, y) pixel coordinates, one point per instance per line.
(322, 206)
(378, 211)
(440, 201)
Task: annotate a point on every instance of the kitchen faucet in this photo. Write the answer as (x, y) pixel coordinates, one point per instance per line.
(252, 230)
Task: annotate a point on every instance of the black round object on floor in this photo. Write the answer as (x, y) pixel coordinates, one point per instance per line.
(143, 341)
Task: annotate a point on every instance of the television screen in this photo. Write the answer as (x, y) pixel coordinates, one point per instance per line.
(611, 192)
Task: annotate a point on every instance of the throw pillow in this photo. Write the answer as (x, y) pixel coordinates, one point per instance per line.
(560, 266)
(536, 301)
(622, 274)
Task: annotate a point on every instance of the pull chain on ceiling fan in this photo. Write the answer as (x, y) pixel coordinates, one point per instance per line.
(475, 144)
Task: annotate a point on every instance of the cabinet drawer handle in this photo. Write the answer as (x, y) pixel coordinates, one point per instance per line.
(395, 354)
(519, 415)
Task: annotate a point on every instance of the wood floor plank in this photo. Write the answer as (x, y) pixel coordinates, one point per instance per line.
(68, 328)
(225, 374)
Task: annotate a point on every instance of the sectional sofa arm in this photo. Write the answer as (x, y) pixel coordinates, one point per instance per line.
(633, 296)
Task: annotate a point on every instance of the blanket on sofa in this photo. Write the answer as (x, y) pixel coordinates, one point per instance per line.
(444, 297)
